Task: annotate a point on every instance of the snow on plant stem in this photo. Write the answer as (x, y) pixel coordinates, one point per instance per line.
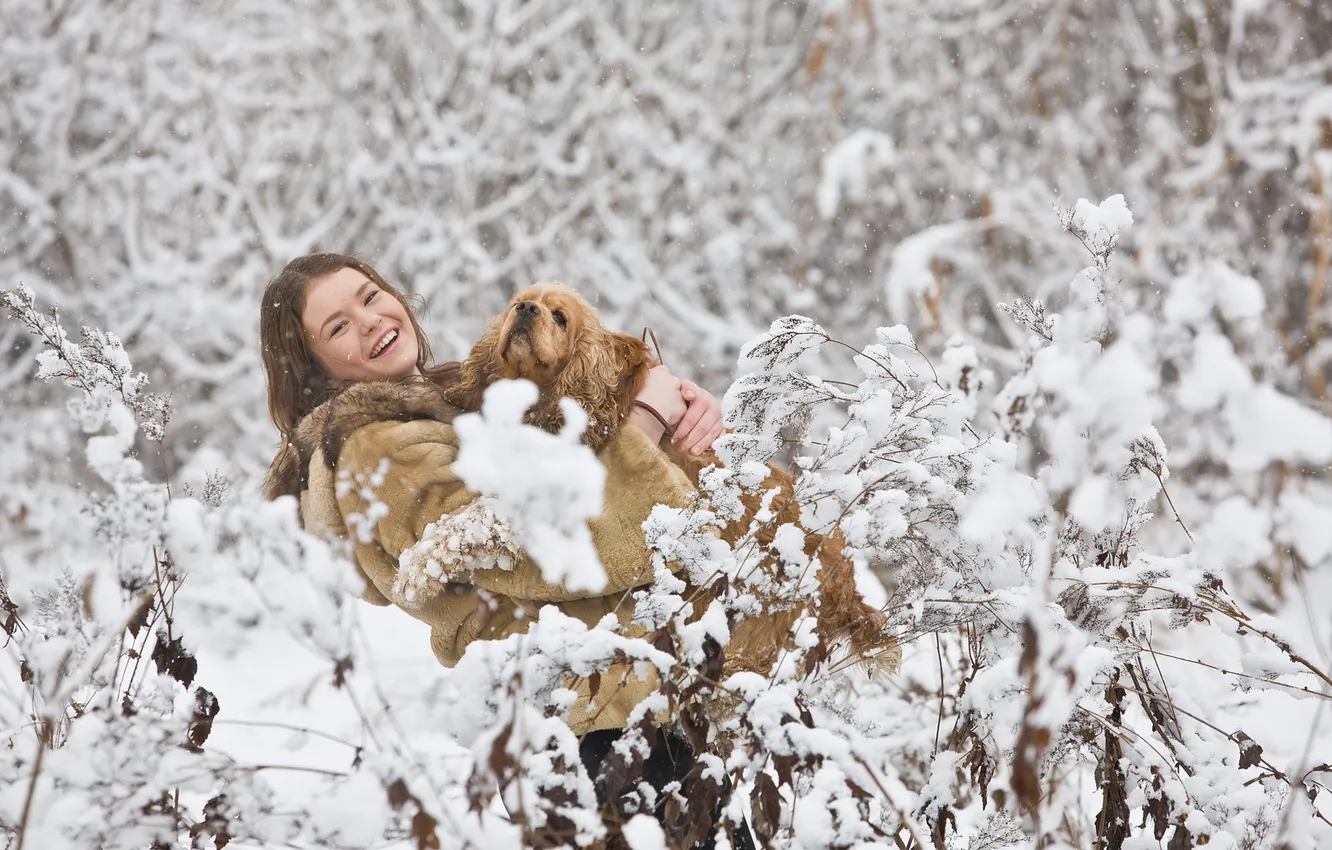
(1078, 671)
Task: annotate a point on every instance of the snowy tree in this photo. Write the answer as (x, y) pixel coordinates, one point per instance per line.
(1103, 558)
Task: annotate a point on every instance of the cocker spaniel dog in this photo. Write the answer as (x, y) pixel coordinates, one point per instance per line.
(552, 337)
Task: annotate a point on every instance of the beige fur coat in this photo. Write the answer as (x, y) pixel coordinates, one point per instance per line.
(407, 425)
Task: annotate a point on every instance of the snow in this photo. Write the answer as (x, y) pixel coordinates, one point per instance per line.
(1236, 535)
(1268, 425)
(1140, 488)
(546, 486)
(846, 169)
(642, 832)
(910, 274)
(1105, 220)
(1300, 523)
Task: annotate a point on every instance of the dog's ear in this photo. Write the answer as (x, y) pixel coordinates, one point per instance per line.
(477, 372)
(604, 373)
(637, 360)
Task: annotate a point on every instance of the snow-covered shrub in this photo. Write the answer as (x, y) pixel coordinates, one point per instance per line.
(1100, 682)
(701, 167)
(1077, 671)
(107, 713)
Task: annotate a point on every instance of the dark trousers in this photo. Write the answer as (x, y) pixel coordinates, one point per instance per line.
(670, 761)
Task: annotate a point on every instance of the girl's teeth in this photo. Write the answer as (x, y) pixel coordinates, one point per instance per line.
(392, 335)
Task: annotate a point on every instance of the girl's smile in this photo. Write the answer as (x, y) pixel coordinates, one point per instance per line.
(356, 330)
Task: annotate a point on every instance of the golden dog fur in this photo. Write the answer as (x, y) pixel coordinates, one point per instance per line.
(552, 337)
(581, 359)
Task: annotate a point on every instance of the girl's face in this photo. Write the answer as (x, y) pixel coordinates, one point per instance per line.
(358, 331)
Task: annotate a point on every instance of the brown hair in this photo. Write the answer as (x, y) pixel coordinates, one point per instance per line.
(297, 383)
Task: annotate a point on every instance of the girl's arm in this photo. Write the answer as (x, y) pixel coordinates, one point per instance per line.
(419, 487)
(694, 416)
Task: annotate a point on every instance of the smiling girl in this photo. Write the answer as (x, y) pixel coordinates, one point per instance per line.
(351, 391)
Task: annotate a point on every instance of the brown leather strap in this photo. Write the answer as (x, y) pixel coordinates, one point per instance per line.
(662, 419)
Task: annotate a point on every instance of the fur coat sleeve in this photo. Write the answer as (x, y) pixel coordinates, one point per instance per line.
(390, 447)
(413, 461)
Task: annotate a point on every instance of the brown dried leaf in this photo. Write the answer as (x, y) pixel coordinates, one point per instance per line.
(423, 830)
(340, 671)
(663, 641)
(765, 808)
(943, 816)
(1181, 840)
(672, 693)
(817, 56)
(811, 663)
(172, 659)
(139, 619)
(712, 659)
(1030, 649)
(398, 795)
(1112, 822)
(1250, 751)
(1032, 740)
(704, 796)
(694, 723)
(1026, 781)
(1157, 808)
(621, 772)
(980, 764)
(213, 824)
(201, 723)
(478, 794)
(500, 760)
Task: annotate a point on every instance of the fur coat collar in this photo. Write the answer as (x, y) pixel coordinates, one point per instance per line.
(357, 405)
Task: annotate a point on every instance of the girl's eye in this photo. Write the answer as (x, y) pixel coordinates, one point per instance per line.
(337, 329)
(559, 318)
(371, 296)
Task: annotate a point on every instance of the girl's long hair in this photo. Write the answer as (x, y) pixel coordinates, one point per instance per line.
(297, 383)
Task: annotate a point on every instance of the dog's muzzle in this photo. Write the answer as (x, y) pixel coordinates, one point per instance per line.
(524, 314)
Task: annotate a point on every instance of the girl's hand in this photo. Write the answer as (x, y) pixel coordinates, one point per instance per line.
(661, 391)
(702, 422)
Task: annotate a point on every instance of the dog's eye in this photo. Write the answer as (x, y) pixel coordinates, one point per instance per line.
(560, 319)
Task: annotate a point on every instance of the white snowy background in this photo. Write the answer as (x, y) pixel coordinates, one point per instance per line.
(1155, 173)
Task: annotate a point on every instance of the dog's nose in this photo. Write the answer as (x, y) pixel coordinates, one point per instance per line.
(527, 309)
